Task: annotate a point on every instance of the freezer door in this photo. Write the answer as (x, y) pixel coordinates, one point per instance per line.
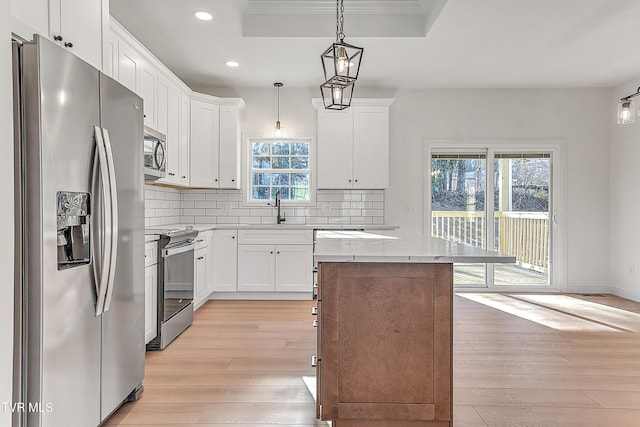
(123, 318)
(61, 106)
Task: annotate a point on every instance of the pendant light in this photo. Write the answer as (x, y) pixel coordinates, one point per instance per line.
(627, 109)
(341, 65)
(278, 131)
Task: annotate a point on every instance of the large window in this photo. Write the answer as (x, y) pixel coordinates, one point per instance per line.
(279, 165)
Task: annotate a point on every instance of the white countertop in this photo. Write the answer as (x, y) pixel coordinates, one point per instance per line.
(285, 226)
(388, 248)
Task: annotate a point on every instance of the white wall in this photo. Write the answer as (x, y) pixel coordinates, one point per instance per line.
(624, 228)
(6, 223)
(579, 117)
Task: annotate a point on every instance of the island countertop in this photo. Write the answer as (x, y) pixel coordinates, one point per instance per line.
(367, 247)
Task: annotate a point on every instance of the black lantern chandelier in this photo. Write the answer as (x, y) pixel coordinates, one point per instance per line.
(341, 64)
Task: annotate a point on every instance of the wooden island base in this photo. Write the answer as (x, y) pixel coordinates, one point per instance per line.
(385, 344)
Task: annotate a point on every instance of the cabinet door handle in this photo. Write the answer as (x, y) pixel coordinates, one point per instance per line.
(172, 174)
(216, 179)
(233, 180)
(233, 237)
(349, 180)
(356, 180)
(199, 240)
(200, 257)
(278, 252)
(271, 252)
(184, 177)
(57, 38)
(68, 44)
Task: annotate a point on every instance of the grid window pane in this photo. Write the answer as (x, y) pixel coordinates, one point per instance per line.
(261, 162)
(300, 148)
(280, 162)
(261, 193)
(261, 179)
(261, 148)
(300, 162)
(281, 148)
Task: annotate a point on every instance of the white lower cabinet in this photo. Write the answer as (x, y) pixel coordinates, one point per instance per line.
(284, 265)
(225, 260)
(294, 268)
(256, 268)
(150, 291)
(202, 269)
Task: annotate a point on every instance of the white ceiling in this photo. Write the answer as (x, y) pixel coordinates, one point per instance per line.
(471, 44)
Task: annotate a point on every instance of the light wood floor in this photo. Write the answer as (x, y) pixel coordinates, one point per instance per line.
(519, 360)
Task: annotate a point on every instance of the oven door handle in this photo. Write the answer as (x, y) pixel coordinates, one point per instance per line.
(178, 250)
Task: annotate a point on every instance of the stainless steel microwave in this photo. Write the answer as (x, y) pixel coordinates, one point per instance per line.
(154, 154)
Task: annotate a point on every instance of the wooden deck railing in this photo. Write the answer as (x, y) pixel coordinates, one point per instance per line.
(524, 235)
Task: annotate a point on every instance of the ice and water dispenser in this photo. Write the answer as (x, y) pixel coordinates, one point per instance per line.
(74, 246)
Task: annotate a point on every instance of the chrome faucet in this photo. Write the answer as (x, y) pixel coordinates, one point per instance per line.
(280, 218)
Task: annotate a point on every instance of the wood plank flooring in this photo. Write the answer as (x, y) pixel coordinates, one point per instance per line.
(519, 360)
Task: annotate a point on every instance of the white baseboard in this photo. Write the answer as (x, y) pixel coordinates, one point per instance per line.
(587, 288)
(308, 296)
(622, 292)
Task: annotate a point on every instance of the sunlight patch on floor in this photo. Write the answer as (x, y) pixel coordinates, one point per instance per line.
(587, 309)
(544, 316)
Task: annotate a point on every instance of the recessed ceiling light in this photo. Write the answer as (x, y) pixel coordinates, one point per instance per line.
(232, 64)
(203, 16)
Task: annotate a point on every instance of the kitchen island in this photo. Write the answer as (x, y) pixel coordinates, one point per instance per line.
(385, 322)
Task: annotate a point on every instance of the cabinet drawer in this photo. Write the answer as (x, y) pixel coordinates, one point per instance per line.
(204, 239)
(150, 253)
(275, 237)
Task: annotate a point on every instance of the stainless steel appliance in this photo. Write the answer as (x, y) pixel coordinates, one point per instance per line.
(80, 240)
(154, 154)
(175, 284)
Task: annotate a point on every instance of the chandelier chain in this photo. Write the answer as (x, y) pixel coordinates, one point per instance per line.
(340, 20)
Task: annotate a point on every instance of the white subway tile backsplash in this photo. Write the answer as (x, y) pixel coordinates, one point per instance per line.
(193, 196)
(165, 205)
(204, 205)
(194, 212)
(218, 197)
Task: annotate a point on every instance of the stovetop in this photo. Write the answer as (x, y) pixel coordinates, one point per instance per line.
(174, 234)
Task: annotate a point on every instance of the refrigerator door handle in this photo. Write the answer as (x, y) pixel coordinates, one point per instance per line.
(113, 194)
(102, 229)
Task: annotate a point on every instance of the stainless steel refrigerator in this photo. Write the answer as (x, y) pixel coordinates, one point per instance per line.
(80, 239)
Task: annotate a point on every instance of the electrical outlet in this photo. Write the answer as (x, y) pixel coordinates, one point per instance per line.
(226, 207)
(409, 209)
(632, 269)
(326, 208)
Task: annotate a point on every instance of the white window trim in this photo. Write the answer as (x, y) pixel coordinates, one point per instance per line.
(246, 171)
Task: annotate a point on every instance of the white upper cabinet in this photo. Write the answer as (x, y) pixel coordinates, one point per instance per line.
(185, 140)
(128, 64)
(371, 147)
(75, 25)
(229, 162)
(147, 89)
(205, 143)
(335, 148)
(169, 99)
(203, 131)
(353, 145)
(215, 143)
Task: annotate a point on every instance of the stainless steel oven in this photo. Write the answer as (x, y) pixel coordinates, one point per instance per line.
(175, 285)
